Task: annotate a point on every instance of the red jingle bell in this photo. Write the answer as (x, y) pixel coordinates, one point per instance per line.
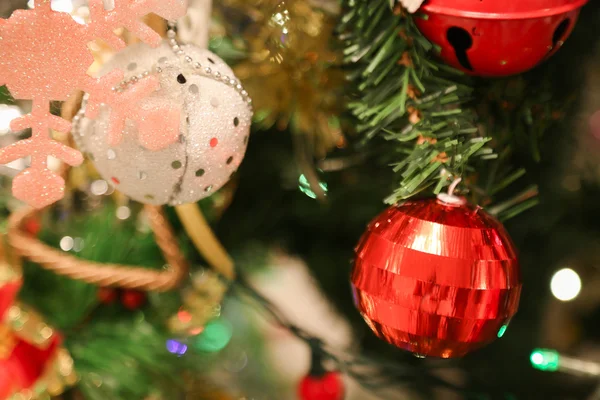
(436, 277)
(498, 38)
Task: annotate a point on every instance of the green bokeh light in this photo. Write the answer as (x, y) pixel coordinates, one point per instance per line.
(305, 188)
(545, 359)
(215, 336)
(502, 330)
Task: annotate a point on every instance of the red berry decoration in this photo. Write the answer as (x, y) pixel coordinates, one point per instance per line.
(325, 387)
(436, 277)
(107, 295)
(498, 38)
(32, 226)
(133, 299)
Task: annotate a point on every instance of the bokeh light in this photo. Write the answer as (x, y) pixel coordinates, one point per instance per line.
(99, 187)
(565, 284)
(123, 212)
(545, 359)
(215, 336)
(304, 186)
(175, 347)
(67, 243)
(502, 330)
(184, 316)
(7, 115)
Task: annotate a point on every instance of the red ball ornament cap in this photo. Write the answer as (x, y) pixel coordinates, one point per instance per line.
(437, 277)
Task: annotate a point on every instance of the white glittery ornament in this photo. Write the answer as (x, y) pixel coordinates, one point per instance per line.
(214, 126)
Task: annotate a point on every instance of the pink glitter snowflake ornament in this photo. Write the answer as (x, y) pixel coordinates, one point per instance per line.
(44, 57)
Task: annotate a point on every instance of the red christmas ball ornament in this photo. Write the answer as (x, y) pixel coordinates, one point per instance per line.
(498, 38)
(328, 386)
(436, 277)
(25, 365)
(133, 299)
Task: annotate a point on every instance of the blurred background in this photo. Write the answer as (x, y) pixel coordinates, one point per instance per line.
(295, 244)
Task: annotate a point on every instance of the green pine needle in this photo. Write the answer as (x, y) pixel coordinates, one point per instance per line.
(377, 43)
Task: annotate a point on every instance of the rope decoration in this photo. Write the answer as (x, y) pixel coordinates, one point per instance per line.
(114, 275)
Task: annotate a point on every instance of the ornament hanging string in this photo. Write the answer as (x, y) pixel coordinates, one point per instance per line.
(205, 240)
(450, 197)
(190, 215)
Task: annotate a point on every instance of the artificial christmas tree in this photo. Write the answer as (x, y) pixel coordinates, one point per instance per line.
(151, 302)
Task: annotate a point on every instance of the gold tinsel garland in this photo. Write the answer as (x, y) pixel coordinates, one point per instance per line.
(291, 70)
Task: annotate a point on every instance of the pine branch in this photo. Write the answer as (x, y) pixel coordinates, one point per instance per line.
(408, 99)
(5, 96)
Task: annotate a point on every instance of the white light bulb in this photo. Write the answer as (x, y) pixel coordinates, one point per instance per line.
(537, 358)
(565, 284)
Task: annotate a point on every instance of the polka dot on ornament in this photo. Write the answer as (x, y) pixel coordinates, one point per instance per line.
(176, 164)
(229, 160)
(194, 89)
(214, 142)
(200, 172)
(236, 121)
(208, 188)
(115, 180)
(181, 79)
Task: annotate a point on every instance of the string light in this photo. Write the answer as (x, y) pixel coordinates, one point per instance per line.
(184, 316)
(67, 243)
(215, 336)
(304, 186)
(175, 347)
(78, 244)
(502, 330)
(550, 361)
(99, 187)
(544, 359)
(123, 212)
(565, 284)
